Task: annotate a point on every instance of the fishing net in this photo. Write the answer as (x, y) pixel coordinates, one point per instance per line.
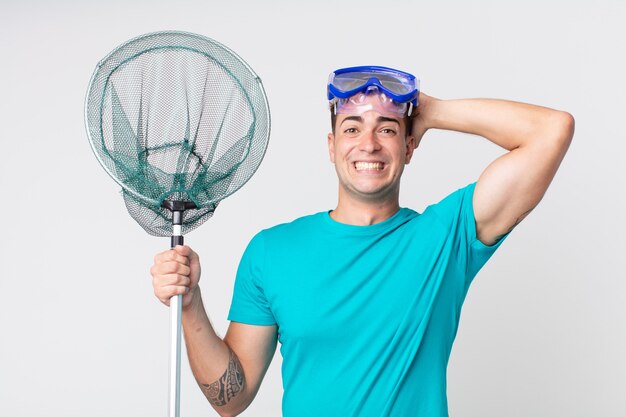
(180, 122)
(175, 116)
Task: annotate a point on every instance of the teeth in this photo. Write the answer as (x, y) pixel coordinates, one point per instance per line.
(361, 166)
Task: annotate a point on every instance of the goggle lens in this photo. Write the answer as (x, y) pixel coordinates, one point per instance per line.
(395, 83)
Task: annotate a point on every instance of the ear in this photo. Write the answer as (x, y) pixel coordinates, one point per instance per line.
(410, 148)
(331, 147)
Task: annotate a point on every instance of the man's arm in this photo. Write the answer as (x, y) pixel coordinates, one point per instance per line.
(537, 139)
(229, 371)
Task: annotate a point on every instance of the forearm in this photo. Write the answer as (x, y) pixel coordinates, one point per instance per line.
(215, 366)
(508, 124)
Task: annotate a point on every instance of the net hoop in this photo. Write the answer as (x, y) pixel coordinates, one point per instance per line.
(265, 114)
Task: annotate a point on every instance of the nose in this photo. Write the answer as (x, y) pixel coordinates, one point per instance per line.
(369, 142)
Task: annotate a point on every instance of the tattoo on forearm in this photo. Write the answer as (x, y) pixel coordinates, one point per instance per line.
(224, 389)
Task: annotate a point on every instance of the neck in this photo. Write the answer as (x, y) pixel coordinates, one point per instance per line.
(364, 213)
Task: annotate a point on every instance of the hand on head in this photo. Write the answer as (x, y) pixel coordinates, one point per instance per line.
(421, 117)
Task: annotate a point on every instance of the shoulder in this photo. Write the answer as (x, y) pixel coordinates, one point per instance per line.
(297, 226)
(452, 201)
(457, 196)
(450, 211)
(279, 237)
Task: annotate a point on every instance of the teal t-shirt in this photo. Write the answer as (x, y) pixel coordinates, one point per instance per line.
(366, 315)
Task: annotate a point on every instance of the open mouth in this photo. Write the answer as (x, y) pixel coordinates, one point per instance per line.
(369, 166)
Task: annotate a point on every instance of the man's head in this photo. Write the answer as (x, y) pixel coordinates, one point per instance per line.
(371, 139)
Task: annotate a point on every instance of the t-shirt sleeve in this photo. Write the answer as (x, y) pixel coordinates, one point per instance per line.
(249, 304)
(456, 212)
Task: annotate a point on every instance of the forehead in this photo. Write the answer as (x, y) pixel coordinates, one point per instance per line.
(371, 101)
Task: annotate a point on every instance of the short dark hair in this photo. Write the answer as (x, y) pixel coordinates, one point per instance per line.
(407, 121)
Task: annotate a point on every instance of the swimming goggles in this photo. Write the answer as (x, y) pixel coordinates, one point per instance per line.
(399, 86)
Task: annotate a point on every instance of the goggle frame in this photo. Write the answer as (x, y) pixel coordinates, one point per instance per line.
(403, 78)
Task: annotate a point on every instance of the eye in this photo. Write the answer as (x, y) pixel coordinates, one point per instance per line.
(387, 131)
(350, 130)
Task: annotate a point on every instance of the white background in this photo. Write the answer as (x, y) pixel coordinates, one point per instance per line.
(543, 329)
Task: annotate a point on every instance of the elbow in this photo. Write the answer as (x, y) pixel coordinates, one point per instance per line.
(228, 413)
(232, 412)
(565, 125)
(233, 409)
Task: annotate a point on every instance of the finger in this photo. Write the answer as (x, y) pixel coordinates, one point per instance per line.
(183, 250)
(171, 291)
(162, 256)
(166, 293)
(171, 267)
(171, 279)
(188, 252)
(193, 256)
(171, 255)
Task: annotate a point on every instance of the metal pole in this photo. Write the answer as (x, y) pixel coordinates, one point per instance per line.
(176, 308)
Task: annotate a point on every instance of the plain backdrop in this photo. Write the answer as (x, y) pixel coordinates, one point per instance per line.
(543, 328)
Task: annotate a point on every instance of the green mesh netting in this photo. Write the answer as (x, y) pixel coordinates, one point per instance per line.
(176, 116)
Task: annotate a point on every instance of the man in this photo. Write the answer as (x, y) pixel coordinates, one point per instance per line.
(365, 299)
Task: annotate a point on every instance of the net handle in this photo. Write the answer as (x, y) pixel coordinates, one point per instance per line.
(176, 308)
(176, 303)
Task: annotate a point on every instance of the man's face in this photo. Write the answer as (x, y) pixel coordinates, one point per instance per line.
(369, 151)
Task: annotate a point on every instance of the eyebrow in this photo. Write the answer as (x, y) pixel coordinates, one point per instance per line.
(387, 119)
(379, 119)
(355, 118)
